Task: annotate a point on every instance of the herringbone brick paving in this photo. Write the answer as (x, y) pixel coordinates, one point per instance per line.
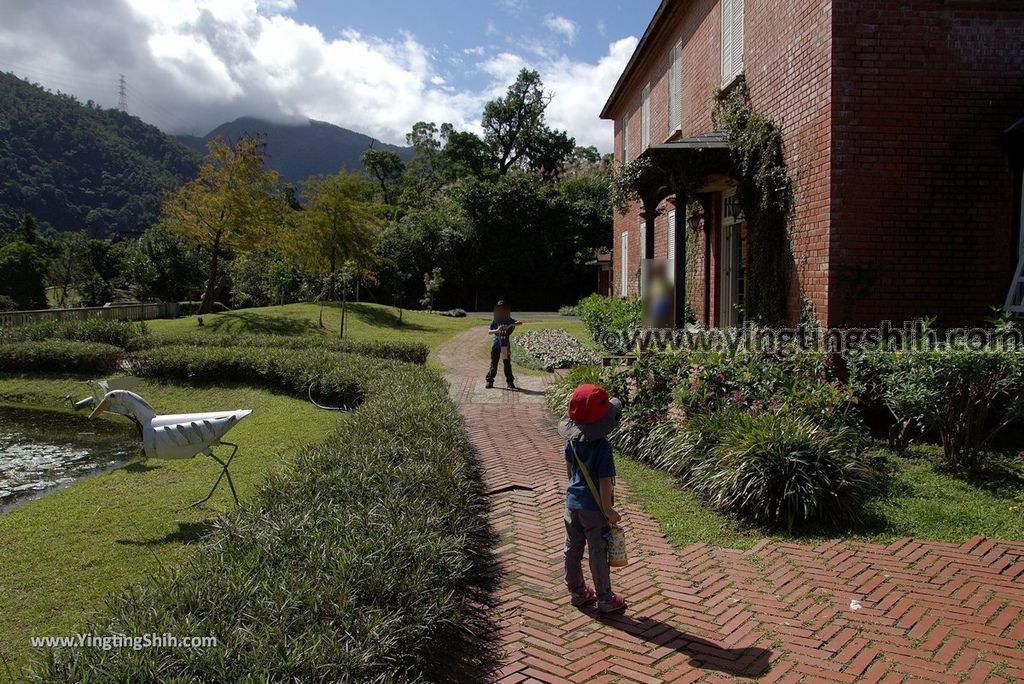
(931, 612)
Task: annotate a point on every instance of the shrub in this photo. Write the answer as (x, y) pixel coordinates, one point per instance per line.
(965, 396)
(452, 313)
(555, 349)
(124, 334)
(557, 396)
(567, 310)
(364, 560)
(410, 352)
(778, 469)
(59, 356)
(800, 384)
(604, 315)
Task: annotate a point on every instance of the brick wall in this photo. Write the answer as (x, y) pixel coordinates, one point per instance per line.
(787, 59)
(921, 215)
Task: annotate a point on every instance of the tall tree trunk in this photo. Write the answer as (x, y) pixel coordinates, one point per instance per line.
(211, 285)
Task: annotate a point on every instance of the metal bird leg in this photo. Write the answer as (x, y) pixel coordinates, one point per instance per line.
(224, 472)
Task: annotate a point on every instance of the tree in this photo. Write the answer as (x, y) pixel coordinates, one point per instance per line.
(386, 167)
(464, 153)
(22, 275)
(433, 282)
(515, 131)
(426, 148)
(233, 203)
(70, 265)
(338, 227)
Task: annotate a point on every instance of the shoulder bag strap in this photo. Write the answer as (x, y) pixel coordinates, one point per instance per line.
(586, 476)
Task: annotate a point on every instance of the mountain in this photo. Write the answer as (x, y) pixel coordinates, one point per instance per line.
(78, 166)
(300, 150)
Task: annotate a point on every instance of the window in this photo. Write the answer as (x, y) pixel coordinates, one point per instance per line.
(645, 117)
(624, 139)
(643, 239)
(732, 40)
(672, 246)
(675, 88)
(624, 266)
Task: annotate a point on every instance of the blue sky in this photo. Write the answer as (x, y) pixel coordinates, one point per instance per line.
(375, 66)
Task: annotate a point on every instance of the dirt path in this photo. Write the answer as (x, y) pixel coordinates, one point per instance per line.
(930, 612)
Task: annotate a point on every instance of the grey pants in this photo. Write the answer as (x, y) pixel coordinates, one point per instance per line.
(587, 527)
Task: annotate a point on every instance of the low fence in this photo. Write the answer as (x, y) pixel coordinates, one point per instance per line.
(114, 312)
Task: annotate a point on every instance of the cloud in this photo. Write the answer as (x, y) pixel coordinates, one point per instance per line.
(193, 64)
(563, 26)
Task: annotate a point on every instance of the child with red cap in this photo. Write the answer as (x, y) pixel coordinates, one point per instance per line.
(589, 497)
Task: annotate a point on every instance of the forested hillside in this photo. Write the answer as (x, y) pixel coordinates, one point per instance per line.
(77, 166)
(300, 150)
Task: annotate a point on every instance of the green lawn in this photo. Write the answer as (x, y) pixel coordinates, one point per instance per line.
(363, 322)
(61, 556)
(920, 501)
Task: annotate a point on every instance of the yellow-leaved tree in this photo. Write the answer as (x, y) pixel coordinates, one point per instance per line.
(337, 231)
(233, 203)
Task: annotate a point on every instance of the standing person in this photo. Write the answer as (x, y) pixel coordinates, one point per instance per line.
(501, 328)
(591, 416)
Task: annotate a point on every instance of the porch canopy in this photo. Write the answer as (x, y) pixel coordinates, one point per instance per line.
(680, 168)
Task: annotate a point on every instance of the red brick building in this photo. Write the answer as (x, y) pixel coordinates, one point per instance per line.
(898, 124)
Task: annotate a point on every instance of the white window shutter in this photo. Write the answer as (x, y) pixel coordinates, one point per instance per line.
(727, 29)
(626, 138)
(675, 87)
(643, 239)
(645, 117)
(624, 266)
(737, 37)
(672, 246)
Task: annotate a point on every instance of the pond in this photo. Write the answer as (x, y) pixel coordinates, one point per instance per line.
(45, 450)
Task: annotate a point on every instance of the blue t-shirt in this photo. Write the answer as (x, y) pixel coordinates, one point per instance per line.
(597, 457)
(501, 339)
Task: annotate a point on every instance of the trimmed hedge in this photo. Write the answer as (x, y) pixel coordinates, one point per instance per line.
(365, 560)
(59, 356)
(410, 352)
(124, 334)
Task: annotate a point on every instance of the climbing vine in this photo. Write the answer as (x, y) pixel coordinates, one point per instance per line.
(766, 194)
(625, 178)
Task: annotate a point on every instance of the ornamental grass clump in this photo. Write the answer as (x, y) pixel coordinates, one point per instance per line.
(779, 469)
(410, 352)
(59, 356)
(124, 334)
(366, 559)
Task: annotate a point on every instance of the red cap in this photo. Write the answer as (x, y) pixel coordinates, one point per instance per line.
(588, 404)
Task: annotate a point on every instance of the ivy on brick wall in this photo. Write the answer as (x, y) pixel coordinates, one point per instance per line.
(766, 194)
(625, 179)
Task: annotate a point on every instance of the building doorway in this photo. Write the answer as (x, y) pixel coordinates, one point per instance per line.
(733, 261)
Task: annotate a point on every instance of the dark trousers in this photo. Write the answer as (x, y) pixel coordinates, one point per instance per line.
(493, 373)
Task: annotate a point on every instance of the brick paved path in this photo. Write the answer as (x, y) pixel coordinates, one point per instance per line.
(931, 612)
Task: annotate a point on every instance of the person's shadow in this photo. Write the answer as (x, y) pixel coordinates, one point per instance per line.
(751, 661)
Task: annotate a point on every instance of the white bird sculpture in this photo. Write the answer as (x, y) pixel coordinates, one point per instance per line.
(175, 437)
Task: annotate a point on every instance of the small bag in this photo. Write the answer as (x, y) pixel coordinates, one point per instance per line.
(617, 556)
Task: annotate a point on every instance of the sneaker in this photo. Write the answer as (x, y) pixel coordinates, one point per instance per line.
(512, 386)
(490, 384)
(585, 599)
(616, 605)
